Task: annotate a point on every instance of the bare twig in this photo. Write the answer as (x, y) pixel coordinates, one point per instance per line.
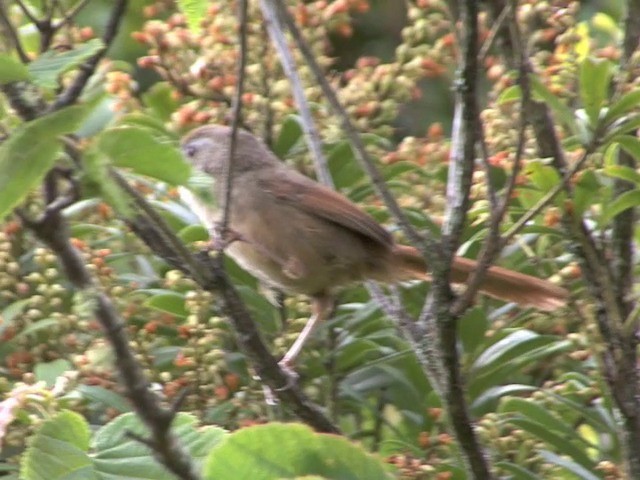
(53, 230)
(69, 15)
(27, 13)
(235, 118)
(73, 91)
(493, 33)
(279, 40)
(10, 31)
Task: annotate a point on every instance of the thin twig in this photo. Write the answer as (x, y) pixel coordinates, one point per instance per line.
(32, 18)
(497, 25)
(236, 111)
(12, 33)
(71, 93)
(425, 243)
(279, 40)
(70, 14)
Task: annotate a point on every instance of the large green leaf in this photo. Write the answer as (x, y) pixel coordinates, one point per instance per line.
(118, 456)
(578, 470)
(144, 153)
(58, 450)
(30, 153)
(275, 451)
(11, 70)
(595, 76)
(47, 68)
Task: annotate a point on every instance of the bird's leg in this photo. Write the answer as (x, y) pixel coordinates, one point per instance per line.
(321, 307)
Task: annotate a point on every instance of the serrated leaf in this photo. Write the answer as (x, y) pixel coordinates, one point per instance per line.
(47, 68)
(58, 451)
(267, 452)
(139, 150)
(12, 70)
(118, 456)
(106, 397)
(30, 153)
(194, 11)
(595, 77)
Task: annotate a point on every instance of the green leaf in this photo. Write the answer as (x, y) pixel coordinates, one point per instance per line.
(569, 465)
(50, 371)
(159, 98)
(274, 451)
(586, 192)
(623, 172)
(194, 10)
(47, 68)
(563, 112)
(544, 177)
(106, 397)
(169, 302)
(118, 456)
(58, 451)
(30, 153)
(517, 472)
(630, 124)
(595, 77)
(473, 326)
(561, 443)
(516, 350)
(12, 70)
(510, 94)
(291, 134)
(193, 233)
(630, 144)
(536, 413)
(138, 149)
(627, 102)
(620, 204)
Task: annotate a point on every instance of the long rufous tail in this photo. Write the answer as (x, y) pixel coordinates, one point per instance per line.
(499, 282)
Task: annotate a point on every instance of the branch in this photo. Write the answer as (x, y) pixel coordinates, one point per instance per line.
(465, 137)
(11, 33)
(52, 229)
(235, 119)
(209, 273)
(274, 28)
(73, 92)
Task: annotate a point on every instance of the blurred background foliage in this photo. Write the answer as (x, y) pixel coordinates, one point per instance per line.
(533, 383)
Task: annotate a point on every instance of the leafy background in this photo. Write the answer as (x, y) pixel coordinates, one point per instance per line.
(534, 382)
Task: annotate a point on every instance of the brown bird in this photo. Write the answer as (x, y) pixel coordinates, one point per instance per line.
(298, 236)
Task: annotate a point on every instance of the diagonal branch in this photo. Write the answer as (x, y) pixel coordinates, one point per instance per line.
(236, 111)
(279, 40)
(73, 91)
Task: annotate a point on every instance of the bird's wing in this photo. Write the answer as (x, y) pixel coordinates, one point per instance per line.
(325, 203)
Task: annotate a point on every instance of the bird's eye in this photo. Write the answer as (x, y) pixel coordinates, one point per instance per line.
(189, 150)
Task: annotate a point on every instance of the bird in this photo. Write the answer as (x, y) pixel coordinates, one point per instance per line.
(300, 237)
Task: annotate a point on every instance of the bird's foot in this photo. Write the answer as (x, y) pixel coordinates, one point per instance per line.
(223, 236)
